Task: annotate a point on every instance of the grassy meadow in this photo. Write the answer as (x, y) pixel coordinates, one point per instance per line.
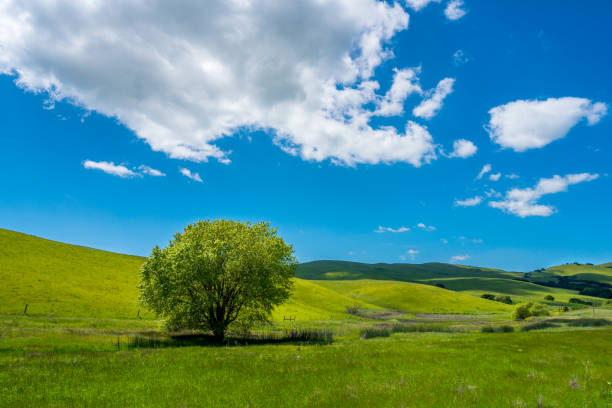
(85, 341)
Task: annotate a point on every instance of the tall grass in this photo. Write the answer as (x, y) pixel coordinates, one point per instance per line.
(371, 332)
(302, 336)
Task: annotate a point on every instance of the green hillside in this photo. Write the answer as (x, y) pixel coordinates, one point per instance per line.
(343, 270)
(69, 280)
(413, 297)
(66, 280)
(468, 279)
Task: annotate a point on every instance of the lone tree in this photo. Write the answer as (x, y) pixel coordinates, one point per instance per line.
(217, 273)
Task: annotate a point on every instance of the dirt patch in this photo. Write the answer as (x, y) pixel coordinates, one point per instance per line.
(447, 316)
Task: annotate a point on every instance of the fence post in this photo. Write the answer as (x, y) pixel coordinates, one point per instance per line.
(25, 311)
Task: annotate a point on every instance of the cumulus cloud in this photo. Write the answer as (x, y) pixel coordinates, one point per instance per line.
(425, 227)
(405, 83)
(184, 75)
(149, 171)
(468, 202)
(524, 202)
(193, 176)
(460, 258)
(463, 148)
(411, 253)
(417, 5)
(495, 177)
(382, 229)
(532, 124)
(432, 104)
(454, 10)
(109, 168)
(485, 169)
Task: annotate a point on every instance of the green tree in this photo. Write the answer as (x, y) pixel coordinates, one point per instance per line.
(218, 273)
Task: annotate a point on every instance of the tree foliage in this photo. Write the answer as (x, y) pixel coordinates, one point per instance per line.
(216, 274)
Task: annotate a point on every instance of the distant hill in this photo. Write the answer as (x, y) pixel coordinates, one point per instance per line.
(472, 280)
(344, 270)
(595, 280)
(69, 280)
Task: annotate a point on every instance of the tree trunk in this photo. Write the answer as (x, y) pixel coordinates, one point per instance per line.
(219, 332)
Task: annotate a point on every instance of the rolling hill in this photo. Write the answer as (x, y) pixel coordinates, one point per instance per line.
(468, 279)
(69, 280)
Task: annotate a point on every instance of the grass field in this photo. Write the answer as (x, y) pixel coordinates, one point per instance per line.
(56, 367)
(72, 348)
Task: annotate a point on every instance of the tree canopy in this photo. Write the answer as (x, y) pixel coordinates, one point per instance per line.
(218, 273)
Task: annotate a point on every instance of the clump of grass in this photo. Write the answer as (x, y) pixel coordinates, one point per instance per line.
(303, 336)
(539, 326)
(422, 328)
(371, 332)
(497, 329)
(586, 322)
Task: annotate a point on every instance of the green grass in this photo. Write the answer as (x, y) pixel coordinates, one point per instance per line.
(538, 368)
(66, 280)
(412, 297)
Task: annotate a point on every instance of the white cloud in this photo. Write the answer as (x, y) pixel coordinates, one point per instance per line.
(460, 258)
(109, 168)
(187, 173)
(382, 229)
(454, 10)
(485, 169)
(417, 5)
(405, 83)
(532, 124)
(184, 75)
(460, 58)
(432, 104)
(492, 193)
(425, 227)
(411, 253)
(495, 177)
(463, 148)
(512, 176)
(468, 202)
(149, 171)
(524, 202)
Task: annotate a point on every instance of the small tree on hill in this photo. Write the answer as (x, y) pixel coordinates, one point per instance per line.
(217, 273)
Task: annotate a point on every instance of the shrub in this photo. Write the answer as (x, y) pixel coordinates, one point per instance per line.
(549, 298)
(353, 310)
(521, 311)
(580, 301)
(504, 299)
(538, 310)
(371, 332)
(440, 285)
(488, 296)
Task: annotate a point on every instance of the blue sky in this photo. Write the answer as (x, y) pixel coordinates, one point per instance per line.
(293, 120)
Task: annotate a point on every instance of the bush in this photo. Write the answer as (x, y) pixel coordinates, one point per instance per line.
(488, 296)
(372, 332)
(521, 311)
(353, 310)
(440, 285)
(504, 299)
(549, 298)
(580, 301)
(538, 310)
